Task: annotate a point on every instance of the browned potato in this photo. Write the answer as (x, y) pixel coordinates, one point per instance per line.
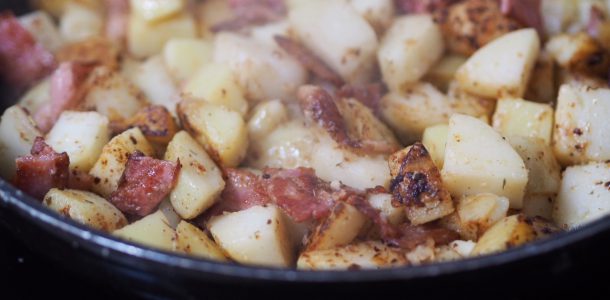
(155, 122)
(580, 53)
(92, 51)
(509, 232)
(338, 229)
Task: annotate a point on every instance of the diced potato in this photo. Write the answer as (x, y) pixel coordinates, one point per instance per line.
(409, 113)
(463, 248)
(80, 134)
(338, 229)
(173, 219)
(184, 56)
(544, 170)
(200, 181)
(582, 130)
(364, 255)
(215, 83)
(524, 118)
(435, 139)
(543, 81)
(478, 213)
(221, 131)
(478, 160)
(79, 22)
(538, 205)
(155, 10)
(86, 208)
(93, 51)
(288, 146)
(443, 72)
(265, 118)
(502, 67)
(337, 34)
(191, 240)
(36, 96)
(584, 195)
(383, 202)
(509, 232)
(408, 50)
(43, 29)
(466, 103)
(145, 39)
(153, 79)
(110, 165)
(255, 236)
(422, 254)
(153, 231)
(211, 12)
(57, 7)
(156, 122)
(558, 14)
(379, 13)
(580, 53)
(17, 134)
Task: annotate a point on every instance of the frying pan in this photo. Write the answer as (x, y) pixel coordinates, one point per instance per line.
(157, 274)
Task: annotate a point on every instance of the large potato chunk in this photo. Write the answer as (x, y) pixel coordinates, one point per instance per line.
(153, 230)
(191, 240)
(221, 131)
(509, 232)
(584, 195)
(145, 38)
(524, 118)
(479, 160)
(365, 255)
(256, 236)
(110, 165)
(502, 67)
(407, 51)
(82, 135)
(338, 229)
(435, 139)
(544, 170)
(337, 34)
(582, 130)
(199, 182)
(43, 29)
(17, 134)
(86, 208)
(153, 79)
(184, 56)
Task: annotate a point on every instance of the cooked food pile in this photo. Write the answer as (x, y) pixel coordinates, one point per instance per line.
(316, 134)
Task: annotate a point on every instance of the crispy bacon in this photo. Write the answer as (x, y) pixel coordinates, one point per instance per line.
(309, 60)
(144, 184)
(41, 171)
(422, 6)
(252, 12)
(368, 94)
(117, 18)
(22, 59)
(526, 12)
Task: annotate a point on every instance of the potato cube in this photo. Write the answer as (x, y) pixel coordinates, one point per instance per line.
(579, 52)
(463, 102)
(155, 121)
(443, 72)
(524, 118)
(80, 22)
(383, 202)
(435, 139)
(544, 170)
(265, 117)
(287, 146)
(191, 240)
(43, 29)
(153, 79)
(478, 213)
(509, 232)
(364, 255)
(145, 39)
(155, 10)
(152, 231)
(183, 56)
(338, 229)
(538, 205)
(17, 134)
(37, 96)
(379, 13)
(86, 208)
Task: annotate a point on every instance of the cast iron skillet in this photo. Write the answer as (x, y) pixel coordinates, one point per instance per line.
(159, 274)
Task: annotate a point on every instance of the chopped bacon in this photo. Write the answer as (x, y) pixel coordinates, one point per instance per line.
(309, 60)
(243, 189)
(22, 59)
(526, 12)
(66, 93)
(41, 171)
(252, 12)
(144, 184)
(117, 17)
(422, 6)
(368, 94)
(91, 52)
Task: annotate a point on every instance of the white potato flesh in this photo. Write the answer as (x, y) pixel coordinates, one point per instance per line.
(336, 33)
(43, 29)
(364, 255)
(80, 22)
(383, 202)
(518, 117)
(544, 170)
(184, 56)
(255, 236)
(435, 140)
(57, 7)
(558, 14)
(582, 130)
(502, 67)
(86, 208)
(153, 231)
(146, 39)
(379, 13)
(216, 83)
(200, 180)
(155, 10)
(263, 71)
(170, 214)
(288, 146)
(266, 33)
(211, 12)
(408, 50)
(110, 165)
(37, 96)
(153, 79)
(17, 134)
(191, 240)
(584, 195)
(512, 231)
(338, 229)
(479, 160)
(265, 118)
(80, 134)
(463, 248)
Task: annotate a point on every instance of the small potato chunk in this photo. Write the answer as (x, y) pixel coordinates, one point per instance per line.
(338, 229)
(215, 83)
(509, 232)
(478, 213)
(191, 240)
(544, 170)
(435, 139)
(255, 236)
(86, 208)
(80, 22)
(145, 39)
(17, 134)
(43, 29)
(287, 146)
(80, 134)
(184, 56)
(337, 34)
(155, 10)
(200, 181)
(584, 195)
(524, 118)
(582, 130)
(479, 160)
(379, 13)
(37, 96)
(383, 202)
(443, 72)
(153, 79)
(153, 231)
(579, 52)
(111, 163)
(502, 67)
(408, 50)
(221, 131)
(265, 117)
(364, 255)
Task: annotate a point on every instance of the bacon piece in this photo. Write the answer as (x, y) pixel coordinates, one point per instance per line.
(117, 18)
(22, 59)
(309, 60)
(243, 189)
(368, 94)
(526, 12)
(41, 171)
(422, 6)
(252, 12)
(144, 184)
(66, 93)
(413, 236)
